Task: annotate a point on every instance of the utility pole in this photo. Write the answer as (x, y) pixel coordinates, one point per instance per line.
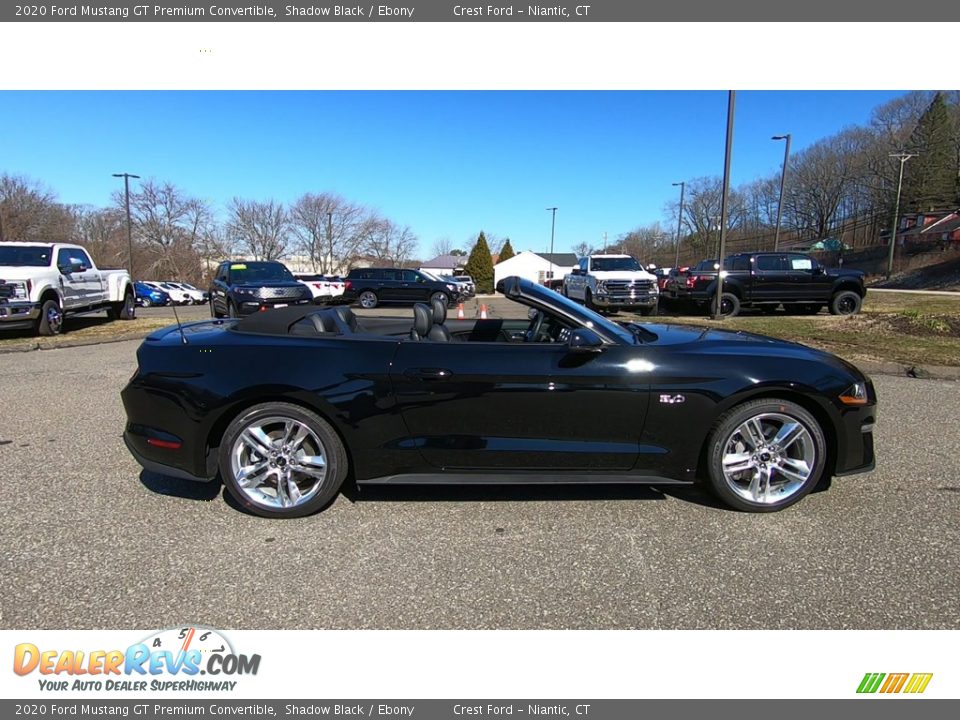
(676, 262)
(783, 184)
(553, 225)
(731, 108)
(902, 157)
(330, 239)
(126, 193)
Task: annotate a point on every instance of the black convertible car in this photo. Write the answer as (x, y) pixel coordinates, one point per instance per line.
(287, 404)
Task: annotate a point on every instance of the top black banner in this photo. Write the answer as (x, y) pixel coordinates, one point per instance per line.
(473, 11)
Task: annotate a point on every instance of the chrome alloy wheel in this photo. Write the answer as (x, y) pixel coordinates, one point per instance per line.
(278, 462)
(54, 319)
(768, 458)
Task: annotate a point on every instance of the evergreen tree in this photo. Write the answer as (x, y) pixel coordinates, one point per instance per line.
(480, 265)
(930, 179)
(506, 252)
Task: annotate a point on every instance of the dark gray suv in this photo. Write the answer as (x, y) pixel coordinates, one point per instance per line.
(372, 286)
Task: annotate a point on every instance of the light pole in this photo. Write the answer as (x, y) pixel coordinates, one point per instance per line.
(731, 108)
(126, 194)
(330, 239)
(683, 185)
(553, 226)
(902, 157)
(783, 185)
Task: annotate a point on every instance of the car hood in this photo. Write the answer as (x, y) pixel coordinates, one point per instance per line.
(622, 275)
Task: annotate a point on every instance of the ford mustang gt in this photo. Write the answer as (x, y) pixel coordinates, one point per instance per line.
(287, 404)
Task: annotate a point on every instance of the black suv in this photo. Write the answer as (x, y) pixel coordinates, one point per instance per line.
(245, 287)
(372, 286)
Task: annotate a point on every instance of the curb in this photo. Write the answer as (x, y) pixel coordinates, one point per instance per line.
(71, 344)
(921, 372)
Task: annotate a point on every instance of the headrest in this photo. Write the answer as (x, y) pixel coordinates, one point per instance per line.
(346, 314)
(422, 319)
(439, 311)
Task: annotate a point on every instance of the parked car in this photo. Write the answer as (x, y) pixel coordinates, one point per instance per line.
(662, 275)
(147, 295)
(765, 280)
(612, 282)
(324, 289)
(468, 282)
(177, 296)
(42, 283)
(372, 286)
(245, 287)
(196, 296)
(293, 401)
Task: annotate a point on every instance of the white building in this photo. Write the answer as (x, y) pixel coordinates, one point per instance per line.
(535, 267)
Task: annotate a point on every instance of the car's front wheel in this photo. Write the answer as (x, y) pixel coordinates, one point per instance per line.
(441, 297)
(145, 301)
(729, 305)
(281, 460)
(50, 321)
(765, 455)
(845, 302)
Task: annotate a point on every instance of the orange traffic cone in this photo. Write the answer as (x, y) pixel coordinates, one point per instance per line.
(483, 312)
(460, 311)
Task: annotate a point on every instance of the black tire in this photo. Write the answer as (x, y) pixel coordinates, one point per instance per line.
(588, 300)
(845, 302)
(368, 299)
(50, 321)
(126, 310)
(332, 448)
(724, 432)
(442, 297)
(146, 302)
(729, 305)
(232, 309)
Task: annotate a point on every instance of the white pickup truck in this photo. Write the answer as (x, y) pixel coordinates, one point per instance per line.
(612, 282)
(41, 283)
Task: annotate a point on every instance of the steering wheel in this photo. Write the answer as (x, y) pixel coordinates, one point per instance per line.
(533, 330)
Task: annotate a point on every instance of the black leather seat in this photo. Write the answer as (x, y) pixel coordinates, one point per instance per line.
(439, 331)
(422, 322)
(349, 319)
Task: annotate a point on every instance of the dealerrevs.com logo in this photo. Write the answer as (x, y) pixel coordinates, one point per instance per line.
(168, 660)
(909, 683)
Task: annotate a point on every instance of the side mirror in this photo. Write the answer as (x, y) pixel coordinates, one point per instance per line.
(584, 340)
(575, 271)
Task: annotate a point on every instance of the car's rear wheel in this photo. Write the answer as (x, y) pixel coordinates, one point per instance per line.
(145, 301)
(369, 299)
(729, 305)
(281, 460)
(845, 302)
(125, 310)
(765, 455)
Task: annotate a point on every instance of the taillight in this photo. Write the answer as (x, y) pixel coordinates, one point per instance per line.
(348, 284)
(691, 280)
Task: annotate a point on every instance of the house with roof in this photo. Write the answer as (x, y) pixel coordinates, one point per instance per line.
(445, 265)
(536, 267)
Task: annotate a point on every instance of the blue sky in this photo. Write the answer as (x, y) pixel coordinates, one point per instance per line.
(446, 163)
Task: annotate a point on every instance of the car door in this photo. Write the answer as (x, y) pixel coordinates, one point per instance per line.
(807, 278)
(218, 289)
(71, 279)
(413, 287)
(770, 278)
(519, 406)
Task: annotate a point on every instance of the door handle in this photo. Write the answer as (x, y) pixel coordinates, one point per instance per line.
(431, 374)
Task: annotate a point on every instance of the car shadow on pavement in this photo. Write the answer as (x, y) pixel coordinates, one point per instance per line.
(165, 485)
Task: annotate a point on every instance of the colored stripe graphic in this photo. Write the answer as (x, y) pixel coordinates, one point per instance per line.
(918, 682)
(894, 683)
(870, 682)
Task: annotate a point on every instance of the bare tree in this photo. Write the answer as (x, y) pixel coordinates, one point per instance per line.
(386, 243)
(30, 211)
(168, 228)
(582, 249)
(328, 229)
(261, 229)
(103, 232)
(442, 246)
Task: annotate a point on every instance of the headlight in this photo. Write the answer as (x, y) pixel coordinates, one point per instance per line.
(601, 286)
(451, 287)
(244, 291)
(856, 394)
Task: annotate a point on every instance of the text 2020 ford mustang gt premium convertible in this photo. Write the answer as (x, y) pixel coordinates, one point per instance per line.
(287, 404)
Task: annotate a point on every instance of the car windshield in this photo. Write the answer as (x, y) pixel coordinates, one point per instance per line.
(583, 315)
(31, 256)
(258, 272)
(622, 263)
(431, 276)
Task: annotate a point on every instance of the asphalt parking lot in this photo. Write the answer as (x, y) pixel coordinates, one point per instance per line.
(91, 541)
